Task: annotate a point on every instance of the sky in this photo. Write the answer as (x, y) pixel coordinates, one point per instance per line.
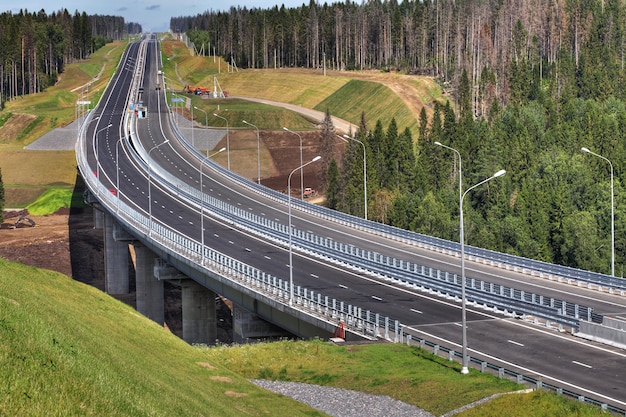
(152, 15)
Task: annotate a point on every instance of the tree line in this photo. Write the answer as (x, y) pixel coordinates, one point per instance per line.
(511, 50)
(36, 47)
(531, 83)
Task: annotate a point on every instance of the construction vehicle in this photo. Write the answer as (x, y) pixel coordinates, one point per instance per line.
(196, 90)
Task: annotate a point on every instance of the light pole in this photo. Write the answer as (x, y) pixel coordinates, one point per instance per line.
(202, 200)
(149, 185)
(227, 139)
(317, 158)
(364, 172)
(612, 210)
(258, 147)
(193, 141)
(464, 369)
(301, 172)
(97, 146)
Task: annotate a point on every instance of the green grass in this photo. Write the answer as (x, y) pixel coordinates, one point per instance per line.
(376, 100)
(53, 199)
(68, 349)
(236, 111)
(406, 373)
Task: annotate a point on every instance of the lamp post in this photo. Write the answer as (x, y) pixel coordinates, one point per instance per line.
(612, 210)
(206, 115)
(193, 141)
(301, 172)
(227, 139)
(149, 185)
(364, 172)
(97, 145)
(202, 200)
(258, 147)
(464, 369)
(317, 158)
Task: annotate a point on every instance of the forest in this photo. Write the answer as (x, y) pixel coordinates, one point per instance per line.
(36, 47)
(530, 84)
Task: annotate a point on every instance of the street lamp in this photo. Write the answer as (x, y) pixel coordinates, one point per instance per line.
(193, 141)
(364, 171)
(258, 147)
(149, 185)
(317, 158)
(227, 139)
(465, 369)
(202, 200)
(612, 210)
(301, 172)
(206, 116)
(97, 146)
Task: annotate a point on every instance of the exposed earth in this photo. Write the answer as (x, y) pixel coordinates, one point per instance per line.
(67, 241)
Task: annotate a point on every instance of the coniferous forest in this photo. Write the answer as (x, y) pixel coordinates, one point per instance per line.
(530, 84)
(35, 47)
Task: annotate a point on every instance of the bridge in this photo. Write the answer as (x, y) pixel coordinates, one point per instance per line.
(287, 264)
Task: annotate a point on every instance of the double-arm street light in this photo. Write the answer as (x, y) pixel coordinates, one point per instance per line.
(150, 186)
(465, 368)
(202, 199)
(612, 210)
(301, 172)
(258, 149)
(227, 139)
(317, 158)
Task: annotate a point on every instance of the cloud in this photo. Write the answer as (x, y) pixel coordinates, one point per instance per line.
(153, 7)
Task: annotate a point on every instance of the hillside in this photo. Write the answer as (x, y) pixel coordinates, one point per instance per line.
(69, 349)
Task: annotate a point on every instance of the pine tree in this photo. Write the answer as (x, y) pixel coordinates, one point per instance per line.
(332, 187)
(327, 147)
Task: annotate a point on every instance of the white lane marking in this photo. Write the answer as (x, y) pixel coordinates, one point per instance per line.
(582, 364)
(314, 276)
(515, 343)
(377, 298)
(343, 286)
(248, 250)
(416, 311)
(267, 257)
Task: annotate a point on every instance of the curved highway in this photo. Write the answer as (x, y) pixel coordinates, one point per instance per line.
(588, 368)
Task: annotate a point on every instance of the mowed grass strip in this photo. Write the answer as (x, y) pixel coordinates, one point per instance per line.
(373, 99)
(68, 349)
(406, 373)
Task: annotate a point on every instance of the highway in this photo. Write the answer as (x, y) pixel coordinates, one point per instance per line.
(585, 367)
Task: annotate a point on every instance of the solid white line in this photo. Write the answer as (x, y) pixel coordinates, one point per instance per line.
(527, 370)
(515, 343)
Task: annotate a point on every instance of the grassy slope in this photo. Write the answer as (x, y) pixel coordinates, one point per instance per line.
(69, 349)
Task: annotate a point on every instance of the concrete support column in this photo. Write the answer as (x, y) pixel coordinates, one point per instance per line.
(248, 326)
(149, 291)
(98, 219)
(199, 315)
(115, 258)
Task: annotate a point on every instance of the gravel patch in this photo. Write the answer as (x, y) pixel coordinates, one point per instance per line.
(60, 139)
(340, 402)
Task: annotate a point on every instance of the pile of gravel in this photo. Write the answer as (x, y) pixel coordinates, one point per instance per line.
(340, 402)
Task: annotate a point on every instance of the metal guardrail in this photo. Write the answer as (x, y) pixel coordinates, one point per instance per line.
(495, 297)
(365, 323)
(503, 372)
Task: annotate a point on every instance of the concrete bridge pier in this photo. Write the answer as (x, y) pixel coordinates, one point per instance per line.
(199, 314)
(247, 327)
(198, 305)
(149, 291)
(116, 280)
